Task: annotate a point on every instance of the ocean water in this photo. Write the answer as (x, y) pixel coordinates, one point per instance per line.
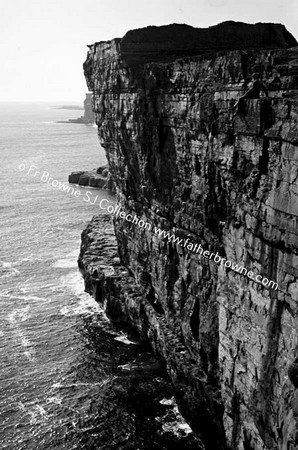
(44, 310)
(52, 372)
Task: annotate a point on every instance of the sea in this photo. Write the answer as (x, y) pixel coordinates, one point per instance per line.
(69, 379)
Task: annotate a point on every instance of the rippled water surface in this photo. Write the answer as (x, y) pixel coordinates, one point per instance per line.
(52, 372)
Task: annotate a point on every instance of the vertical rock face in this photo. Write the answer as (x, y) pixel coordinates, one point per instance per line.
(88, 110)
(186, 162)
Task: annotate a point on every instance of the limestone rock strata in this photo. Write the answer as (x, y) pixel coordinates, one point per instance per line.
(109, 282)
(97, 178)
(183, 160)
(88, 110)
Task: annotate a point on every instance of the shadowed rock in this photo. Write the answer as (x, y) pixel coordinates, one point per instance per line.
(183, 161)
(170, 41)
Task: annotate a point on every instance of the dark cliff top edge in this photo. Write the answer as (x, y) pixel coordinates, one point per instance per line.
(155, 43)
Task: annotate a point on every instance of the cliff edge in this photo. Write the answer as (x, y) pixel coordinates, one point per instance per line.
(88, 117)
(190, 161)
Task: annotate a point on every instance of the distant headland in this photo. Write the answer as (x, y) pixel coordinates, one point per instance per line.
(70, 107)
(88, 118)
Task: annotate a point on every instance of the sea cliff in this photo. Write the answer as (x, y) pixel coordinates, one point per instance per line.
(184, 159)
(87, 118)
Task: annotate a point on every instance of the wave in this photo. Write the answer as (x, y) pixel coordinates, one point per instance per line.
(7, 270)
(19, 315)
(57, 400)
(28, 352)
(65, 263)
(15, 319)
(37, 415)
(125, 340)
(27, 298)
(36, 298)
(36, 412)
(102, 383)
(86, 306)
(125, 367)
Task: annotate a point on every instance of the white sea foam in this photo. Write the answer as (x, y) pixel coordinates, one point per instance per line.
(38, 414)
(41, 410)
(7, 270)
(73, 282)
(65, 311)
(174, 423)
(25, 341)
(37, 299)
(35, 411)
(69, 260)
(5, 264)
(6, 293)
(110, 330)
(125, 340)
(168, 401)
(55, 399)
(29, 334)
(65, 263)
(29, 279)
(15, 318)
(19, 315)
(125, 367)
(29, 350)
(85, 306)
(30, 355)
(21, 406)
(78, 384)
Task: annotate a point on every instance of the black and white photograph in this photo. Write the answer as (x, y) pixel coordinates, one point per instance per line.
(149, 225)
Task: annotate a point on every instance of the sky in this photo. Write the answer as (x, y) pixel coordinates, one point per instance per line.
(43, 42)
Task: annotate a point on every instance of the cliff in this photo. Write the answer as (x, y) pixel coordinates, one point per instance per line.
(88, 110)
(183, 159)
(88, 117)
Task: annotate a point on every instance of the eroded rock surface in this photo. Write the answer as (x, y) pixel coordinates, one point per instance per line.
(99, 178)
(183, 159)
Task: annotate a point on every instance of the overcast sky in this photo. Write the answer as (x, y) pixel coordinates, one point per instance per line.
(43, 42)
